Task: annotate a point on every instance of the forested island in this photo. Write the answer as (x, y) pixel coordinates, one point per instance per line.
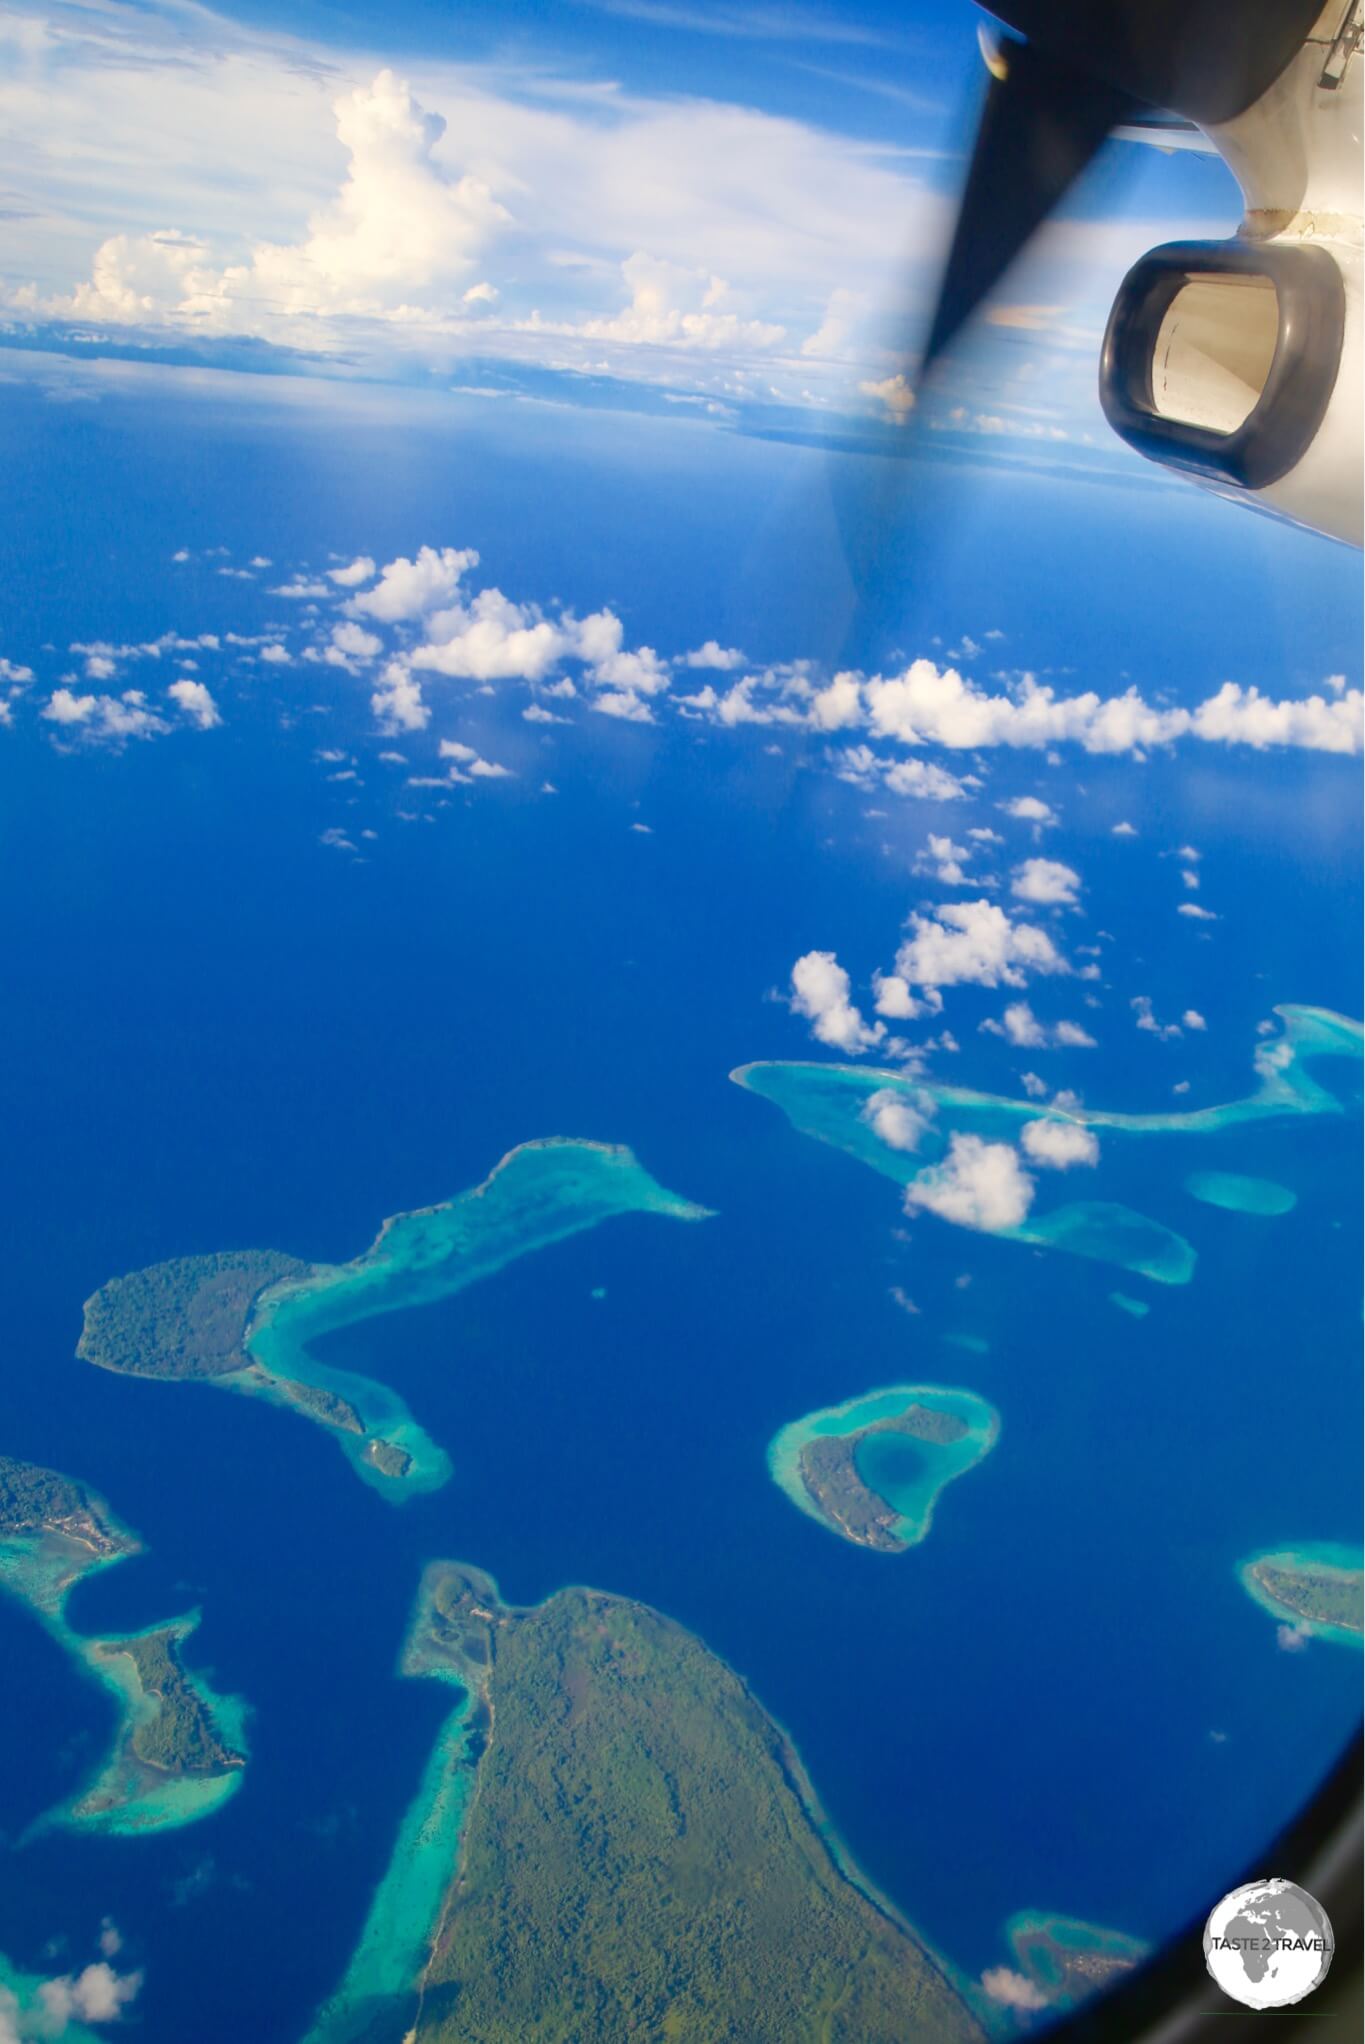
(250, 1320)
(180, 1736)
(36, 1501)
(190, 1319)
(872, 1470)
(1319, 1590)
(642, 1858)
(829, 1471)
(176, 1752)
(637, 1853)
(187, 1317)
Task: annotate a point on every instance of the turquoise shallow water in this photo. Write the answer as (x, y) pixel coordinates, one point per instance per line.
(1040, 1942)
(830, 1102)
(1319, 1554)
(404, 1912)
(122, 1796)
(540, 1193)
(1238, 1194)
(22, 2003)
(910, 1483)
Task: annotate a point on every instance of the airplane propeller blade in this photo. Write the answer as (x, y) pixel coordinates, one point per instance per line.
(1086, 67)
(1042, 124)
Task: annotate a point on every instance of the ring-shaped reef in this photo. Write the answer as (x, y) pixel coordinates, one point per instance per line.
(248, 1320)
(1067, 1960)
(1317, 1589)
(832, 1104)
(873, 1469)
(179, 1749)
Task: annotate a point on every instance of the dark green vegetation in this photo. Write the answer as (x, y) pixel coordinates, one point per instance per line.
(639, 1860)
(327, 1407)
(388, 1459)
(830, 1474)
(185, 1318)
(180, 1737)
(1327, 1596)
(35, 1500)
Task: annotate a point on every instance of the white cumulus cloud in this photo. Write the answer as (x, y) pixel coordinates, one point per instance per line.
(820, 992)
(401, 228)
(978, 1185)
(412, 588)
(974, 942)
(1059, 1144)
(1047, 882)
(194, 701)
(361, 569)
(897, 1118)
(1012, 1990)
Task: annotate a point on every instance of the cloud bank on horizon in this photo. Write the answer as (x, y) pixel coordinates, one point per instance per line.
(179, 175)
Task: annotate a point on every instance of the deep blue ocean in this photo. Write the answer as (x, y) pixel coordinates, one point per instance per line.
(217, 1033)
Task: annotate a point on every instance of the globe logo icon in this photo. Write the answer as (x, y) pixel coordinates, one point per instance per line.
(1268, 1944)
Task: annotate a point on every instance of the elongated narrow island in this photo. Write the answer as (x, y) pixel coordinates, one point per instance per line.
(178, 1749)
(845, 1106)
(1318, 1589)
(613, 1840)
(248, 1320)
(873, 1469)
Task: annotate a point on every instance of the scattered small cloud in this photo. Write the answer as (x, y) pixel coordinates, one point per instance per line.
(1141, 1005)
(361, 569)
(194, 702)
(1022, 1028)
(721, 659)
(1046, 882)
(1028, 809)
(945, 861)
(468, 765)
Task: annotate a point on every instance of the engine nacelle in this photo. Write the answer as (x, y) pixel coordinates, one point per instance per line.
(1239, 362)
(1228, 360)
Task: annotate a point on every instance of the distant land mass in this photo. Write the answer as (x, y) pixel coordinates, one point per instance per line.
(246, 1319)
(639, 1853)
(177, 1751)
(872, 1470)
(1317, 1589)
